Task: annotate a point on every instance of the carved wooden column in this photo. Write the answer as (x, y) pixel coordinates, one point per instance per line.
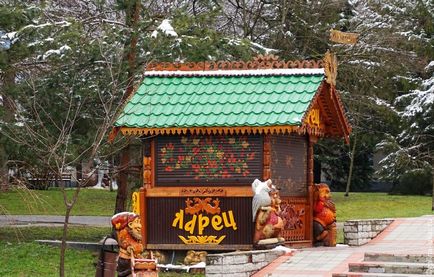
(148, 182)
(267, 158)
(310, 185)
(147, 163)
(143, 216)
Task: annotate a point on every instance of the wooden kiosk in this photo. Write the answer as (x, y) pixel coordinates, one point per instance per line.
(209, 129)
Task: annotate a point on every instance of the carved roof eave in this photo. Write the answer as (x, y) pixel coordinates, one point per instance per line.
(336, 115)
(241, 130)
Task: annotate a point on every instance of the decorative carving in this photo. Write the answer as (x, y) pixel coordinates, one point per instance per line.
(330, 68)
(195, 257)
(267, 158)
(266, 215)
(292, 216)
(135, 202)
(202, 191)
(259, 62)
(147, 174)
(313, 118)
(324, 217)
(202, 205)
(202, 239)
(131, 258)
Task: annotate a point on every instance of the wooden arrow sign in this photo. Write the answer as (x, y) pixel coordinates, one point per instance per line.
(342, 37)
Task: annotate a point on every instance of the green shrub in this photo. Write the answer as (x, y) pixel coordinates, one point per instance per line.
(417, 181)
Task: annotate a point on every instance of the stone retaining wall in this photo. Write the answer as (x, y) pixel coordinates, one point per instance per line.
(359, 232)
(240, 263)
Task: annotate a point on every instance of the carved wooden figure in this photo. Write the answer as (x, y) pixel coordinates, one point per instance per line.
(266, 214)
(131, 261)
(324, 217)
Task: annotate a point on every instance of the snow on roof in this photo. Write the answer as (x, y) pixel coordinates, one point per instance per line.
(247, 72)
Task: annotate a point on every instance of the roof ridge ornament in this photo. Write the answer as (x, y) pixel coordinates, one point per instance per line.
(330, 67)
(259, 62)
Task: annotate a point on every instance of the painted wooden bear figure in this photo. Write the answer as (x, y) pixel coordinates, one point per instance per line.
(324, 217)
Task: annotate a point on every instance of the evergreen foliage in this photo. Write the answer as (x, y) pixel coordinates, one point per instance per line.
(72, 56)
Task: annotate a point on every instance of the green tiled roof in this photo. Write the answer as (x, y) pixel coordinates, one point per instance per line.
(220, 101)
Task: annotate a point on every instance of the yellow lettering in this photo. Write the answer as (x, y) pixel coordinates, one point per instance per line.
(189, 226)
(179, 219)
(203, 223)
(230, 222)
(216, 222)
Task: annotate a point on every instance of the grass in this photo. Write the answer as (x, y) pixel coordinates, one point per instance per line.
(380, 205)
(20, 256)
(33, 259)
(50, 202)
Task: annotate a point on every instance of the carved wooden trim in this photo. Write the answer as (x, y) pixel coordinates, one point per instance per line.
(267, 158)
(259, 62)
(147, 175)
(245, 191)
(301, 130)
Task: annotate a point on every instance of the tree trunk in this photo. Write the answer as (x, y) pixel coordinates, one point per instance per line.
(121, 197)
(350, 173)
(68, 206)
(132, 20)
(4, 177)
(63, 244)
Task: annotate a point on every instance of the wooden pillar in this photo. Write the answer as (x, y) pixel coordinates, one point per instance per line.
(267, 158)
(143, 216)
(310, 186)
(147, 164)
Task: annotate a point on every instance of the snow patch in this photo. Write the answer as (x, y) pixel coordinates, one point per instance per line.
(61, 51)
(166, 28)
(263, 48)
(247, 72)
(429, 66)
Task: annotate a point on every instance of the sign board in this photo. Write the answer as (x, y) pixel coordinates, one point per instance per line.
(199, 222)
(342, 37)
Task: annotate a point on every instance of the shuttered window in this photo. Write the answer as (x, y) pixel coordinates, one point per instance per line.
(208, 160)
(289, 164)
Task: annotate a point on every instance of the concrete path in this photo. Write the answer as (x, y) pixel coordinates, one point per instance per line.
(403, 236)
(49, 220)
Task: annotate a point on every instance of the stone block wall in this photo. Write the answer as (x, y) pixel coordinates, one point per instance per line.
(240, 263)
(359, 232)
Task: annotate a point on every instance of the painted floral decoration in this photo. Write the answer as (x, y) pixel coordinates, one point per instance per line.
(208, 157)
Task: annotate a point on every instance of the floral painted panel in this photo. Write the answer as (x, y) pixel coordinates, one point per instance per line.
(184, 160)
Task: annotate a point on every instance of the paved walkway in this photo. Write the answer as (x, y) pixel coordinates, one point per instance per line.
(403, 236)
(50, 220)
